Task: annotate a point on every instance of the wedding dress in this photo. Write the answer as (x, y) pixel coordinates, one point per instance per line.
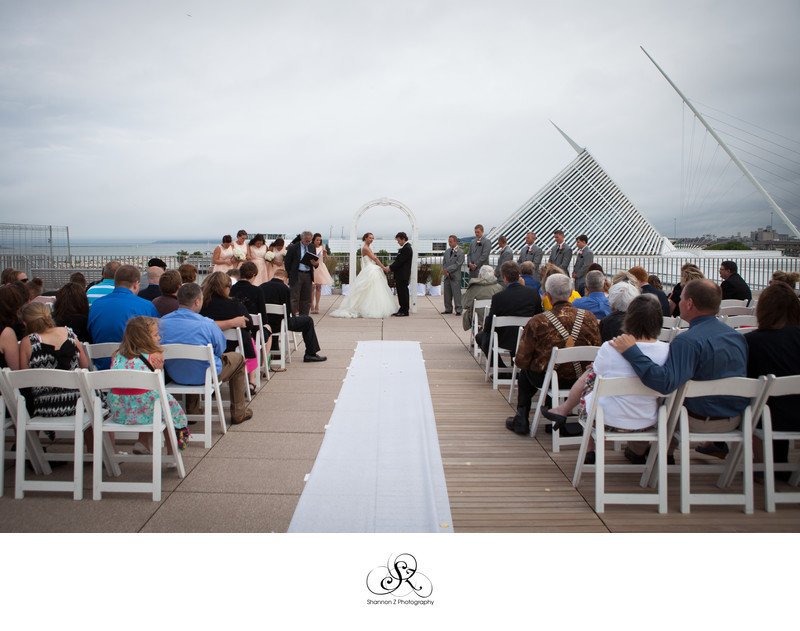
(369, 296)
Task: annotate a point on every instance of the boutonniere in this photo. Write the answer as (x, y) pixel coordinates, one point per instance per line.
(478, 242)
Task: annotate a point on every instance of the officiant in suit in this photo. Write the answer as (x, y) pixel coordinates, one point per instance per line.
(401, 267)
(301, 275)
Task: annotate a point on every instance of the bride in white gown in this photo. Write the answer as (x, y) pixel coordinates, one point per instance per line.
(370, 296)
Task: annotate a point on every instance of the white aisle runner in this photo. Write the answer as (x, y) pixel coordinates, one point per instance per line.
(379, 468)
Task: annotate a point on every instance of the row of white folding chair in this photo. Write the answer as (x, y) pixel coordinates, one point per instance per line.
(670, 322)
(235, 335)
(479, 309)
(595, 428)
(209, 387)
(740, 322)
(495, 350)
(550, 387)
(88, 412)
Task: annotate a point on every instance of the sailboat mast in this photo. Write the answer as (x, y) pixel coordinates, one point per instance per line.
(729, 151)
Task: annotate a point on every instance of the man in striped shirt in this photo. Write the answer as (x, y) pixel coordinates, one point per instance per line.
(106, 286)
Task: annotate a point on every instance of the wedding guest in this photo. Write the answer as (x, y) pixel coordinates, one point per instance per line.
(528, 275)
(619, 297)
(141, 349)
(49, 346)
(689, 271)
(188, 273)
(599, 268)
(248, 292)
(78, 277)
(220, 307)
(790, 278)
(11, 329)
(483, 287)
(71, 309)
(774, 348)
(152, 291)
(105, 286)
(548, 270)
(643, 277)
(168, 285)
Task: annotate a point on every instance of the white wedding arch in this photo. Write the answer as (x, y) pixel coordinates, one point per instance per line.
(354, 238)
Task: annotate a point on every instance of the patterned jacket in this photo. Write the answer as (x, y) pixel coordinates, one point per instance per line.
(539, 337)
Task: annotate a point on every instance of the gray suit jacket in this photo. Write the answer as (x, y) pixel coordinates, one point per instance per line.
(561, 258)
(453, 260)
(479, 254)
(582, 261)
(534, 254)
(505, 255)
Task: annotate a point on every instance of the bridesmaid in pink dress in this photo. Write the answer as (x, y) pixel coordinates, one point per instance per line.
(223, 255)
(321, 274)
(240, 248)
(256, 253)
(276, 247)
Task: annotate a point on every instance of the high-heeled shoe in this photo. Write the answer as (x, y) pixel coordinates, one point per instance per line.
(559, 421)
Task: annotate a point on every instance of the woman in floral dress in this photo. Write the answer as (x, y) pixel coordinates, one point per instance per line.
(141, 350)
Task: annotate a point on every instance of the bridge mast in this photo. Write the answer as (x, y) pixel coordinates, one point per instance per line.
(729, 151)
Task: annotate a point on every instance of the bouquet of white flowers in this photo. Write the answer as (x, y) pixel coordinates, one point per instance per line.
(269, 255)
(239, 255)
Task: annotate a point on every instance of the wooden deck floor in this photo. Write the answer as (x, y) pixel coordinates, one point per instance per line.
(252, 477)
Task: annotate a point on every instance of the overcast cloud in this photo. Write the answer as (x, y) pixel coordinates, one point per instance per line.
(169, 120)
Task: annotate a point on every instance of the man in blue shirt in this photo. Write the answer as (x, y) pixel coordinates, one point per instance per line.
(109, 314)
(595, 300)
(708, 350)
(187, 326)
(105, 286)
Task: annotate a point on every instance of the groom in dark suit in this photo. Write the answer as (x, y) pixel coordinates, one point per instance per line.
(401, 266)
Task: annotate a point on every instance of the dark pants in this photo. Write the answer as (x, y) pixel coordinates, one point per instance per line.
(305, 325)
(402, 294)
(300, 293)
(528, 384)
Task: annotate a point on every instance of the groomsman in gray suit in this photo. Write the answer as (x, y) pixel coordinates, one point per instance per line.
(478, 252)
(505, 255)
(584, 257)
(561, 254)
(453, 260)
(532, 253)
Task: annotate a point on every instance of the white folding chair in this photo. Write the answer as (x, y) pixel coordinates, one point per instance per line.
(736, 311)
(733, 302)
(282, 334)
(669, 322)
(495, 350)
(667, 335)
(732, 386)
(235, 335)
(207, 390)
(779, 387)
(262, 353)
(102, 350)
(595, 428)
(550, 387)
(7, 424)
(76, 424)
(35, 452)
(479, 308)
(93, 382)
(741, 322)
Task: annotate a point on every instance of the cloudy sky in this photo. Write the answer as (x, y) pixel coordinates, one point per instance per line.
(165, 119)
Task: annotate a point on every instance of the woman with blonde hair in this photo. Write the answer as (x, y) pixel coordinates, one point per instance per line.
(689, 271)
(548, 269)
(49, 346)
(139, 350)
